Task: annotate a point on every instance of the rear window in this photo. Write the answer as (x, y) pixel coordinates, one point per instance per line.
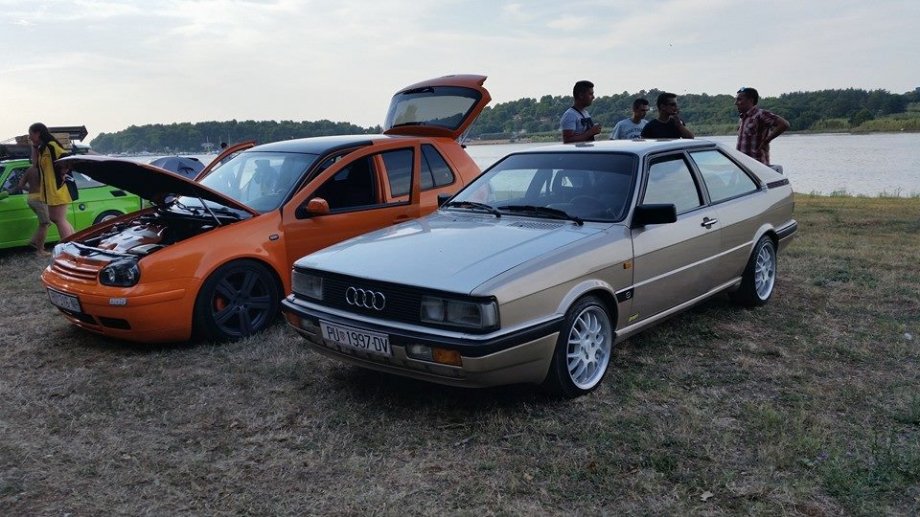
(441, 106)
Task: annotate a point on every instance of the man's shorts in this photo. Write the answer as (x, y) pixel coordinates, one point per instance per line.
(40, 209)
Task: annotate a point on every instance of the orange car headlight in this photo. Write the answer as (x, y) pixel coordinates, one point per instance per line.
(120, 273)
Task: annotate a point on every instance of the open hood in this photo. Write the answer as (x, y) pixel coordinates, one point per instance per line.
(444, 107)
(147, 181)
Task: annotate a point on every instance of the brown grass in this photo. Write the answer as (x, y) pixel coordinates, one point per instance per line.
(808, 406)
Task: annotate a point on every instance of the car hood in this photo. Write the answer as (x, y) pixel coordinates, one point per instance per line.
(145, 180)
(448, 252)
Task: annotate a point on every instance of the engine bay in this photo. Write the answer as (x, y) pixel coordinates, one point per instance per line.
(148, 233)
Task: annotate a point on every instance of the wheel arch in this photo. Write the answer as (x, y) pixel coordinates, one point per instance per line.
(197, 329)
(596, 288)
(259, 259)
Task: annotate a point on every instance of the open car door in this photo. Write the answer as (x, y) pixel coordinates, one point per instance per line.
(225, 155)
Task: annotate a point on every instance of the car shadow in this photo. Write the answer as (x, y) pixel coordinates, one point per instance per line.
(382, 388)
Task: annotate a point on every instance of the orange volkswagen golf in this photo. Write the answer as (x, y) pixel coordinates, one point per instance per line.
(212, 258)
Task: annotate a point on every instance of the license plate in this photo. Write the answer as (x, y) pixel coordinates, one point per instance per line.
(357, 339)
(64, 301)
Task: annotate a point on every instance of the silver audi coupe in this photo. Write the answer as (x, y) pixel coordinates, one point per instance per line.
(535, 270)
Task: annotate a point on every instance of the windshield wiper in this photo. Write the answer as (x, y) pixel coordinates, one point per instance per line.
(554, 213)
(228, 211)
(473, 204)
(189, 209)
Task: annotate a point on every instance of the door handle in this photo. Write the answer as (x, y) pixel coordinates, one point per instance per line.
(707, 222)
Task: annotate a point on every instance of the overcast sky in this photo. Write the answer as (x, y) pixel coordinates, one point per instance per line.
(111, 64)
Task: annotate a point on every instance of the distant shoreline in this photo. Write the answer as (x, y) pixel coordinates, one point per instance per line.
(556, 138)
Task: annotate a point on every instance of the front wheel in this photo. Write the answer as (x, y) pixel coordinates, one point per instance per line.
(582, 351)
(238, 300)
(759, 276)
(105, 216)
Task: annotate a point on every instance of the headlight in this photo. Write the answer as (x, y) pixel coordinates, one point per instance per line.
(120, 273)
(307, 285)
(58, 249)
(445, 311)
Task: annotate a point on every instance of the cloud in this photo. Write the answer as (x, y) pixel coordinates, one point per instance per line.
(112, 64)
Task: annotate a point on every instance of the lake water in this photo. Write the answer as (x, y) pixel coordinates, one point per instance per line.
(866, 165)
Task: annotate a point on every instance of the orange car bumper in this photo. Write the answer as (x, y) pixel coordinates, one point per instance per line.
(152, 317)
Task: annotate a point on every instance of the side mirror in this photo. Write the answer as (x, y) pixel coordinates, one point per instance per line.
(317, 206)
(645, 215)
(442, 198)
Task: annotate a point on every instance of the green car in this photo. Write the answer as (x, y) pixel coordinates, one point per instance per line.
(97, 202)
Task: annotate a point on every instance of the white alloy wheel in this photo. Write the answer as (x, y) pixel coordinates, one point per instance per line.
(759, 277)
(588, 350)
(765, 271)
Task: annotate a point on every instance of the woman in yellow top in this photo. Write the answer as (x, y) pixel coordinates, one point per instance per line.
(53, 192)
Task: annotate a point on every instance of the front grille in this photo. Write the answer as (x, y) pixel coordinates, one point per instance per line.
(75, 268)
(403, 303)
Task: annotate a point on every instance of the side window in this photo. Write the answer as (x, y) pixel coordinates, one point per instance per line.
(670, 181)
(354, 186)
(435, 171)
(11, 184)
(399, 171)
(723, 178)
(84, 181)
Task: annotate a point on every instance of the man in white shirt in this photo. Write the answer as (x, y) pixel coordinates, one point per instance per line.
(576, 123)
(631, 128)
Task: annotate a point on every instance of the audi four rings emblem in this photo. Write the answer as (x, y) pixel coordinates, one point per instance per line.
(365, 298)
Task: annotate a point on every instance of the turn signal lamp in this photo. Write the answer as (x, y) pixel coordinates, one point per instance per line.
(434, 354)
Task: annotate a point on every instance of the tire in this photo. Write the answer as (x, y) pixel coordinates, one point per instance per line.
(759, 276)
(583, 350)
(239, 299)
(105, 216)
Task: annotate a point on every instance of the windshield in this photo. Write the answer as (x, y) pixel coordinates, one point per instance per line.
(578, 185)
(441, 106)
(258, 179)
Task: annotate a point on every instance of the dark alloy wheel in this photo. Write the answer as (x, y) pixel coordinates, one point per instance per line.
(583, 350)
(238, 300)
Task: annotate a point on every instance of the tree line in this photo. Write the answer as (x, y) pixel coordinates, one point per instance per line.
(826, 110)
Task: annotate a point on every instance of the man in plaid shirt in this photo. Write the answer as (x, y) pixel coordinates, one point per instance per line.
(757, 127)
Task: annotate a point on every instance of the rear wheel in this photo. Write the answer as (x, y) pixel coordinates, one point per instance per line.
(759, 276)
(238, 300)
(583, 350)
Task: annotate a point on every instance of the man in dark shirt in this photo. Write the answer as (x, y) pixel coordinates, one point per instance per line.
(757, 127)
(668, 124)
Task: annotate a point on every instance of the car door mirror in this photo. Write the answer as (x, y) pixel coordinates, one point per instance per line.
(317, 206)
(645, 215)
(443, 197)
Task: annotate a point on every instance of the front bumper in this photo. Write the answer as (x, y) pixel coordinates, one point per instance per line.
(154, 317)
(519, 357)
